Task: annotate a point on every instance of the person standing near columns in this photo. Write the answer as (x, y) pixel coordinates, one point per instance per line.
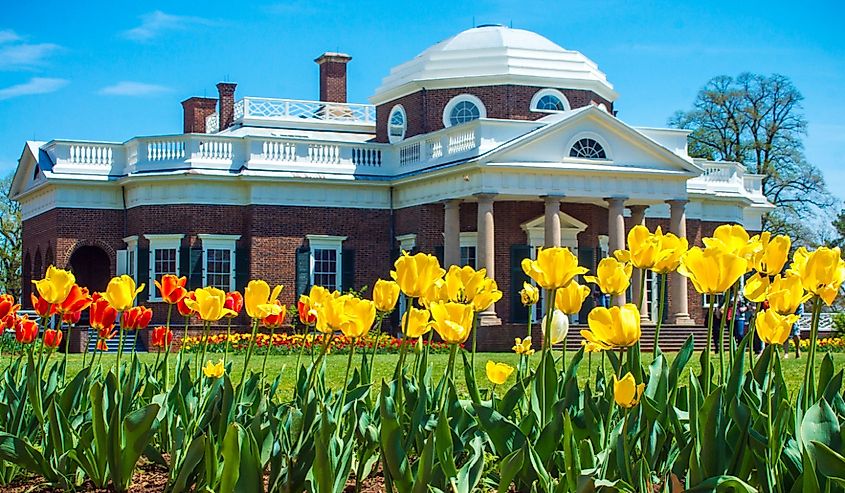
(678, 293)
(486, 254)
(638, 218)
(616, 233)
(451, 233)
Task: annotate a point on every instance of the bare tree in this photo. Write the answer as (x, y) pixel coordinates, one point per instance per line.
(758, 120)
(10, 241)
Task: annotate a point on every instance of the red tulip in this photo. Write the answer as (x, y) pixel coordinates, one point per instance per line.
(102, 346)
(306, 315)
(71, 318)
(172, 288)
(77, 300)
(52, 338)
(102, 315)
(235, 302)
(137, 317)
(184, 310)
(161, 337)
(41, 306)
(275, 321)
(26, 330)
(8, 310)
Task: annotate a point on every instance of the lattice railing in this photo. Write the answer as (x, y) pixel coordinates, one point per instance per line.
(294, 109)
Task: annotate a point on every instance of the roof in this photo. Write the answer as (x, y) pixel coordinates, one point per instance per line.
(492, 55)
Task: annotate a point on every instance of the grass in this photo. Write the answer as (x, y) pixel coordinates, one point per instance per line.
(283, 366)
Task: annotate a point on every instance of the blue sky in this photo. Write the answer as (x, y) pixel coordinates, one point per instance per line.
(113, 70)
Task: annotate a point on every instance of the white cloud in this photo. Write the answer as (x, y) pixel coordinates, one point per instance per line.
(155, 23)
(131, 88)
(7, 35)
(25, 55)
(35, 85)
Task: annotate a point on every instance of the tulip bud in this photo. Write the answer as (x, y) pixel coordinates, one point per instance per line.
(559, 329)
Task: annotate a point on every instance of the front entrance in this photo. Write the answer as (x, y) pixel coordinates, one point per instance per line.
(91, 266)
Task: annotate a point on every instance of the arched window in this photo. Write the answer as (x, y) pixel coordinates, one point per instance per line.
(462, 109)
(549, 101)
(587, 149)
(397, 124)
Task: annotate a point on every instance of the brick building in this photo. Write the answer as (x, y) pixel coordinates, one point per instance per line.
(481, 149)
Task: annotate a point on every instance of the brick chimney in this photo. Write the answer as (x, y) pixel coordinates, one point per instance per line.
(226, 111)
(195, 111)
(333, 76)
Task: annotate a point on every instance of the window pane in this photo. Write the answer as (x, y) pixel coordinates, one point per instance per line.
(325, 268)
(218, 268)
(463, 112)
(468, 256)
(164, 262)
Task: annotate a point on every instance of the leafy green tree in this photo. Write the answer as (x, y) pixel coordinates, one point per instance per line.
(10, 241)
(758, 121)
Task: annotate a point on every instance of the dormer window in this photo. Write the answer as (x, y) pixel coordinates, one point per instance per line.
(463, 108)
(587, 149)
(397, 124)
(549, 101)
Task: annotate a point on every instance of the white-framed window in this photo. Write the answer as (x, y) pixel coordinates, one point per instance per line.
(397, 124)
(587, 149)
(549, 101)
(218, 260)
(463, 108)
(131, 266)
(407, 242)
(469, 247)
(326, 260)
(164, 259)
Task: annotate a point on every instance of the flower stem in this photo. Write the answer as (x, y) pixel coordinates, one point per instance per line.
(228, 336)
(206, 327)
(341, 403)
(375, 343)
(248, 354)
(706, 369)
(267, 352)
(809, 372)
(660, 307)
(166, 369)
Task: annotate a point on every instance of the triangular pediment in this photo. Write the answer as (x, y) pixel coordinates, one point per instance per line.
(623, 146)
(30, 172)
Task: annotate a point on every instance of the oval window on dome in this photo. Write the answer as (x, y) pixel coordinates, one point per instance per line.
(549, 101)
(462, 109)
(587, 149)
(397, 124)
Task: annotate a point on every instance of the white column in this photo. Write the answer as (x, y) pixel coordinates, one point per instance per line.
(451, 233)
(485, 250)
(616, 233)
(552, 221)
(678, 303)
(638, 218)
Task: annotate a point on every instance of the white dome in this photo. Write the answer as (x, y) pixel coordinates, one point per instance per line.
(492, 55)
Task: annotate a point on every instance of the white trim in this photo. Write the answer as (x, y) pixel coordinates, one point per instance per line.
(131, 256)
(535, 231)
(550, 92)
(447, 111)
(327, 242)
(397, 138)
(161, 242)
(604, 245)
(219, 242)
(407, 242)
(469, 239)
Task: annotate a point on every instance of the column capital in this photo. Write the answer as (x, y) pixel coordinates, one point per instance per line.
(485, 196)
(637, 208)
(677, 202)
(449, 203)
(553, 197)
(617, 199)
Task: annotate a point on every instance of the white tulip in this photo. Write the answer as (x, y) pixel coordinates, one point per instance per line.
(559, 328)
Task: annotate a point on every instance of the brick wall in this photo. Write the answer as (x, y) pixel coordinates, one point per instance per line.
(424, 108)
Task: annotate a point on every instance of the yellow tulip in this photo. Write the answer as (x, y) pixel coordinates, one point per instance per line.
(258, 293)
(56, 285)
(461, 283)
(591, 347)
(529, 294)
(210, 304)
(121, 292)
(772, 255)
(626, 392)
(385, 295)
(452, 321)
(643, 247)
(438, 291)
(211, 370)
(559, 328)
(786, 293)
(669, 253)
(823, 273)
(498, 373)
(612, 276)
(554, 267)
(359, 315)
(756, 288)
(613, 327)
(416, 273)
(732, 238)
(487, 294)
(330, 314)
(712, 270)
(774, 328)
(523, 346)
(569, 299)
(418, 325)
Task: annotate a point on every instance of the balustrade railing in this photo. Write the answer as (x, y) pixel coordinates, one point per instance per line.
(298, 110)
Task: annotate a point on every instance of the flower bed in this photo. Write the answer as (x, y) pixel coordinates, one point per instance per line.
(283, 344)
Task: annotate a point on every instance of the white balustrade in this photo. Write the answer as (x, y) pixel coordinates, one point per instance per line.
(364, 156)
(462, 141)
(93, 154)
(298, 110)
(212, 123)
(165, 150)
(277, 150)
(409, 154)
(324, 153)
(434, 148)
(215, 149)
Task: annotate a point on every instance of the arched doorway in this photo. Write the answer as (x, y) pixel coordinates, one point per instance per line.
(91, 266)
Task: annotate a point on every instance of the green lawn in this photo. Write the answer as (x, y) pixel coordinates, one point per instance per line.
(384, 365)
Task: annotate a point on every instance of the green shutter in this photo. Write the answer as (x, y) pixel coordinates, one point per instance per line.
(440, 253)
(519, 312)
(184, 261)
(303, 270)
(347, 265)
(241, 268)
(195, 271)
(143, 274)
